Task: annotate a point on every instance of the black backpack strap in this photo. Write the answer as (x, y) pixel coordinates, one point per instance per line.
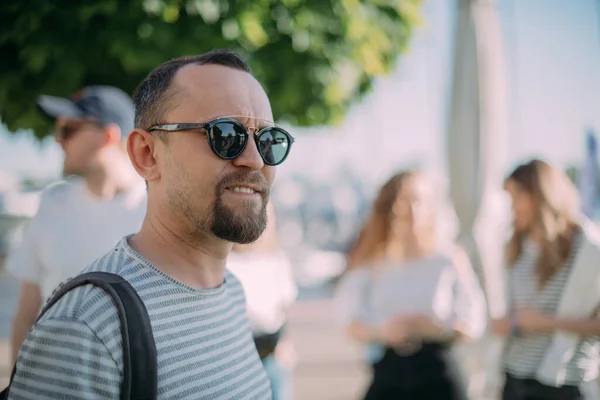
(139, 348)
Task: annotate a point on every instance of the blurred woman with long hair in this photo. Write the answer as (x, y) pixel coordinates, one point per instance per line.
(553, 259)
(407, 297)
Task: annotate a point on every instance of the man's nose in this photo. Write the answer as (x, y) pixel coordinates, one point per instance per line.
(250, 157)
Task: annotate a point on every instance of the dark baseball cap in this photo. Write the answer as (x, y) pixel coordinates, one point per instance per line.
(103, 104)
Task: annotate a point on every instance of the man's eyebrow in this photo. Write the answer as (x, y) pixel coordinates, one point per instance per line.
(245, 120)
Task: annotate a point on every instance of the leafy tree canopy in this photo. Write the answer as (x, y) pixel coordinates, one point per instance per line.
(314, 57)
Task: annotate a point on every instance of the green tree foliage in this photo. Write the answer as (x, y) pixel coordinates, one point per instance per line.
(314, 57)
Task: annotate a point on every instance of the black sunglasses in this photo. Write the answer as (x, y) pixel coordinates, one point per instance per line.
(228, 138)
(67, 131)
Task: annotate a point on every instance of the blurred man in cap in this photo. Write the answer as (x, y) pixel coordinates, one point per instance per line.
(82, 217)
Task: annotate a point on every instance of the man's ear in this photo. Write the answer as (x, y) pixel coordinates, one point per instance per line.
(141, 147)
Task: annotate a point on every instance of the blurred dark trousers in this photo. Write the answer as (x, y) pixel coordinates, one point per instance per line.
(424, 375)
(530, 389)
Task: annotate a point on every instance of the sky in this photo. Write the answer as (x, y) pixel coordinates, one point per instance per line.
(557, 83)
(552, 48)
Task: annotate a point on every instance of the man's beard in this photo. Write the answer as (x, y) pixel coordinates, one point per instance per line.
(242, 224)
(238, 226)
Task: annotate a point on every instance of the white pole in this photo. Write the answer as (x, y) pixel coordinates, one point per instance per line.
(476, 150)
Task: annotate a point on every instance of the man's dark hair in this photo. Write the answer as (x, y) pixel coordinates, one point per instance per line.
(154, 95)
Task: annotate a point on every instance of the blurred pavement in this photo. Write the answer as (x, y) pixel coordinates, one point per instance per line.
(329, 367)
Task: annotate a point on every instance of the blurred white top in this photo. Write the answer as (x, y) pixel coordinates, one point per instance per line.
(23, 204)
(269, 286)
(432, 286)
(71, 229)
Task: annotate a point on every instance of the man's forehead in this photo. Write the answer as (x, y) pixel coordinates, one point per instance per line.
(214, 90)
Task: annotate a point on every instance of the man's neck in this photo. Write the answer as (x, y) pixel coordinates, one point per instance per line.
(199, 264)
(107, 182)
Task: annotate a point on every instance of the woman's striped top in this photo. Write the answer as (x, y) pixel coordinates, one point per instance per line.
(525, 352)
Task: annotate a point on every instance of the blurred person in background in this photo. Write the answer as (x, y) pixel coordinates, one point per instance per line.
(408, 297)
(553, 257)
(81, 218)
(266, 275)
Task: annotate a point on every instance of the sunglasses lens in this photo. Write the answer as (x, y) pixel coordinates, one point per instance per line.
(66, 132)
(228, 139)
(69, 130)
(274, 145)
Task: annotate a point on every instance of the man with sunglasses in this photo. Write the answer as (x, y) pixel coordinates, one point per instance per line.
(81, 218)
(205, 143)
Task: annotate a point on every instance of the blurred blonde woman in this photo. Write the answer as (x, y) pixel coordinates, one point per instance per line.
(266, 275)
(407, 297)
(553, 258)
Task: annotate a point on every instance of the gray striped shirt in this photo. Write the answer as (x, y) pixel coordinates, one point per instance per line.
(203, 340)
(525, 352)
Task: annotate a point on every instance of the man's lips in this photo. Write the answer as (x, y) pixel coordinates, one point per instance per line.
(246, 188)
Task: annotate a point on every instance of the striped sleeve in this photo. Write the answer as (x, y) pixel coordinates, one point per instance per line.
(596, 315)
(62, 358)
